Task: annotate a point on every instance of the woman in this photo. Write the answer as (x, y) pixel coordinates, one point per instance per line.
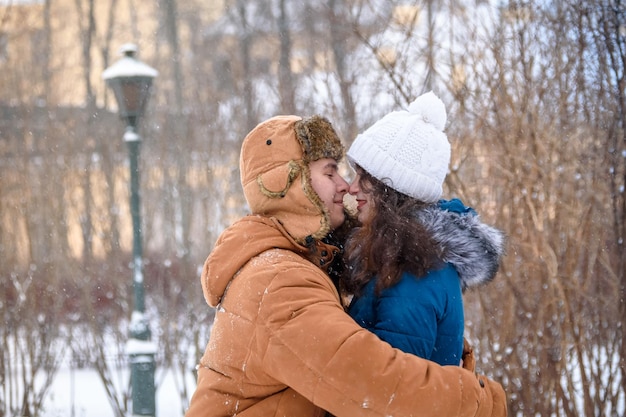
(413, 255)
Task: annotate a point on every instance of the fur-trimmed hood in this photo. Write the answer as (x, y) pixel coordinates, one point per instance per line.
(274, 168)
(474, 248)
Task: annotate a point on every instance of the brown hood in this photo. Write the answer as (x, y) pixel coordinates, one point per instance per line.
(242, 241)
(275, 176)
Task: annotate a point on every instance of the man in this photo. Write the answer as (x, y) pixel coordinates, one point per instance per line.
(281, 343)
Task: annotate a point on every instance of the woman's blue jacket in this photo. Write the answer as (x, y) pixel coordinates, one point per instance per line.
(424, 315)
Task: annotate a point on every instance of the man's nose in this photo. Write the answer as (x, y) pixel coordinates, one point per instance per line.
(343, 185)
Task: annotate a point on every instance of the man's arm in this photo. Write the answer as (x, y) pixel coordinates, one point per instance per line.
(314, 347)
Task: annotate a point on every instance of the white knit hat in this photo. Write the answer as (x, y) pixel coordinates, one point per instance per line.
(407, 149)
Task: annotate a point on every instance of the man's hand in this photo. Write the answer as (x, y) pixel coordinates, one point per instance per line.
(468, 361)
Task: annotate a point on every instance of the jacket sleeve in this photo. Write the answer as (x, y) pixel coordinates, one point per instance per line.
(313, 346)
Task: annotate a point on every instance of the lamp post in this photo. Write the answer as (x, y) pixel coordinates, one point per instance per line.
(131, 81)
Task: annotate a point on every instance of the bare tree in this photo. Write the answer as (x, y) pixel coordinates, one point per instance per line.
(98, 337)
(286, 83)
(608, 20)
(339, 37)
(245, 51)
(542, 150)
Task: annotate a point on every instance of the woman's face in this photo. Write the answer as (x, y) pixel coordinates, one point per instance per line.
(365, 204)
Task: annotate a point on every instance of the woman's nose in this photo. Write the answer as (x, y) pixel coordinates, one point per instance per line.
(354, 187)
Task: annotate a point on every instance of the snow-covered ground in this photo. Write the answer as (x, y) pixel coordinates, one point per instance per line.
(80, 393)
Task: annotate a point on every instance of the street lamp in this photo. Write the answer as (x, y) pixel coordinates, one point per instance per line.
(131, 81)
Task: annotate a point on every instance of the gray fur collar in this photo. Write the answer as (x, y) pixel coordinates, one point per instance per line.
(472, 247)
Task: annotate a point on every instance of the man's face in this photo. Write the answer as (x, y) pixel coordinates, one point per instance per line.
(330, 187)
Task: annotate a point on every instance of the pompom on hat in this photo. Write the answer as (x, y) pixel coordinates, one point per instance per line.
(407, 149)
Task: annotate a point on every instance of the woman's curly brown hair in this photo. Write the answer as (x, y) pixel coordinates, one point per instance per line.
(392, 242)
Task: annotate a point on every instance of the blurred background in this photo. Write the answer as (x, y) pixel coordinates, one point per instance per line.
(535, 93)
